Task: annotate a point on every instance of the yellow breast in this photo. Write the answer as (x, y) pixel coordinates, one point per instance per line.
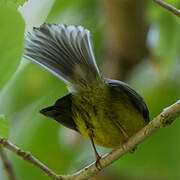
(97, 116)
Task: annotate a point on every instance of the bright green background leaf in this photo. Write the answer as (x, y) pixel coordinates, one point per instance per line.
(14, 3)
(4, 127)
(11, 42)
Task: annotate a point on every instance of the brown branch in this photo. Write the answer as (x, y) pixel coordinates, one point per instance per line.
(7, 165)
(162, 120)
(168, 7)
(28, 157)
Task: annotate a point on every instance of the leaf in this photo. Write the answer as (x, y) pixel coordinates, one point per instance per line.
(30, 84)
(11, 42)
(16, 3)
(4, 127)
(20, 2)
(168, 43)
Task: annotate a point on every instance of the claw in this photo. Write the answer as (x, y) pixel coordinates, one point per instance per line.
(98, 157)
(98, 164)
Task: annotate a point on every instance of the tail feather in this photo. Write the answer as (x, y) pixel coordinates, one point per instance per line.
(65, 51)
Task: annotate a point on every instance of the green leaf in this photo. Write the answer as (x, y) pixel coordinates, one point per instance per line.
(15, 3)
(4, 127)
(11, 42)
(19, 2)
(168, 42)
(174, 3)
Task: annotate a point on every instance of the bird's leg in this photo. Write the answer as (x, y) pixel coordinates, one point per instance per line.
(126, 137)
(98, 157)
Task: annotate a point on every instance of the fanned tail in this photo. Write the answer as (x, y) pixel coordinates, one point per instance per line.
(65, 51)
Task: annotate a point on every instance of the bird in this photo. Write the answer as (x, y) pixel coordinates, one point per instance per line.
(105, 111)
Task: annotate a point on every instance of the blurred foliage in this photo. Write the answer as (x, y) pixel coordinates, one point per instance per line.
(168, 27)
(14, 3)
(4, 127)
(174, 3)
(11, 42)
(31, 88)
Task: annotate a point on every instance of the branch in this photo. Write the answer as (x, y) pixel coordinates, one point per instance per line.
(7, 165)
(162, 120)
(168, 7)
(28, 157)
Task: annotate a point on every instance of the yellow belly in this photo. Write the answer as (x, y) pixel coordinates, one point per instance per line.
(102, 124)
(97, 114)
(104, 132)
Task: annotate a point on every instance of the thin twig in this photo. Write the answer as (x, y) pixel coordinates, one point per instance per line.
(168, 7)
(162, 120)
(28, 157)
(7, 165)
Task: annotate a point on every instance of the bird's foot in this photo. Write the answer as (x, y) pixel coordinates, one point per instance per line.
(98, 164)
